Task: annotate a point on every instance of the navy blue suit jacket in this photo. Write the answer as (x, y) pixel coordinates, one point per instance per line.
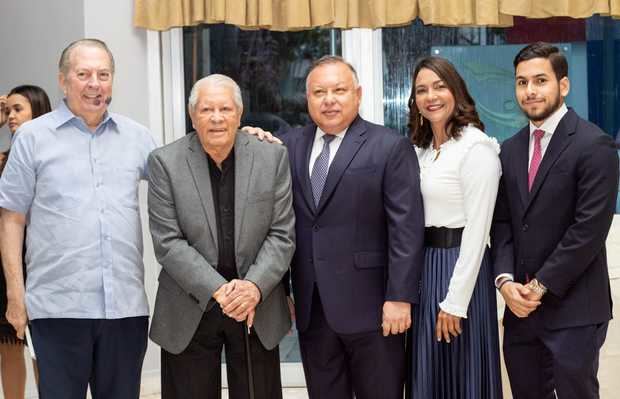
(363, 244)
(557, 231)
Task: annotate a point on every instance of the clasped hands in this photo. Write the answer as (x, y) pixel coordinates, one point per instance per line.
(238, 300)
(520, 299)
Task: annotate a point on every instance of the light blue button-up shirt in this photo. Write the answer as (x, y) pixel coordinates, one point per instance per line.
(79, 190)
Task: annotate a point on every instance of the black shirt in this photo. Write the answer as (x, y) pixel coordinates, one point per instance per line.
(223, 188)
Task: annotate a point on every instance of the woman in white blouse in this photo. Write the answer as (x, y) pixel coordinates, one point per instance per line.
(455, 350)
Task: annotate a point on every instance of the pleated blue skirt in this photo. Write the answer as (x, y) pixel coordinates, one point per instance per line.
(469, 366)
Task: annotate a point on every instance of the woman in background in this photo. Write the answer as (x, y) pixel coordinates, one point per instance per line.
(22, 104)
(455, 338)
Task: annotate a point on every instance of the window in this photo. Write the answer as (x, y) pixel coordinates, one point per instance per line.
(484, 57)
(270, 68)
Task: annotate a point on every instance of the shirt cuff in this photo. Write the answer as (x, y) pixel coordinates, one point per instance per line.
(503, 276)
(453, 309)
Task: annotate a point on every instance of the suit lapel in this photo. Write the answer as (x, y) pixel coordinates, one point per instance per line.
(244, 159)
(560, 139)
(199, 167)
(302, 156)
(521, 164)
(353, 140)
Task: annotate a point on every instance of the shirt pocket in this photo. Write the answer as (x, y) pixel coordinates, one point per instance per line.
(123, 183)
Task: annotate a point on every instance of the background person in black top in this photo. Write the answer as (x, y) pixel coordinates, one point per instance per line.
(21, 104)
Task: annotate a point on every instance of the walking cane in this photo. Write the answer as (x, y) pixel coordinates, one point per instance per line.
(248, 358)
(32, 353)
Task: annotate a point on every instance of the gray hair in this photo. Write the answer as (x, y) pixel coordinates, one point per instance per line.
(216, 79)
(64, 64)
(332, 59)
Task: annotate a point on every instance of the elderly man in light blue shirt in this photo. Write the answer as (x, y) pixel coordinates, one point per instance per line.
(72, 178)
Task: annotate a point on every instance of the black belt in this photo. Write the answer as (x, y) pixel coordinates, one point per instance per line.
(442, 237)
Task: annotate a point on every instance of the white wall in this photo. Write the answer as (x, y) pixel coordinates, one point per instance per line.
(33, 33)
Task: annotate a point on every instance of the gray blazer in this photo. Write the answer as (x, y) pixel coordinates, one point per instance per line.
(183, 227)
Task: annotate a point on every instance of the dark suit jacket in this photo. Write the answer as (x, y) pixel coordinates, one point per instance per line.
(557, 231)
(363, 245)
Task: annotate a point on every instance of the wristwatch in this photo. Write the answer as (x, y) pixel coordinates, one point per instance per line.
(537, 287)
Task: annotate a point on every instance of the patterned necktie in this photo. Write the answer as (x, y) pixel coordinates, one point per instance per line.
(536, 158)
(320, 169)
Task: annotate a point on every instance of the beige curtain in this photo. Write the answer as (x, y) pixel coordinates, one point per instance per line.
(283, 15)
(614, 8)
(463, 12)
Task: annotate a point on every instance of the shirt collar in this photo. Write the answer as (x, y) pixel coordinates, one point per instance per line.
(552, 121)
(65, 116)
(226, 163)
(319, 134)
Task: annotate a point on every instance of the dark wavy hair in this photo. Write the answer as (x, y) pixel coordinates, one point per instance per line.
(39, 103)
(464, 105)
(36, 96)
(547, 51)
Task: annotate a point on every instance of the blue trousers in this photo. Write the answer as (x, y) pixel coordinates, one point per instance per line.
(75, 353)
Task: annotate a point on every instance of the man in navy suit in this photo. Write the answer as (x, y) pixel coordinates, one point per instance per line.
(555, 205)
(360, 231)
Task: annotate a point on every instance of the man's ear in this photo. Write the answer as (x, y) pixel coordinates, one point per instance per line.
(564, 86)
(62, 82)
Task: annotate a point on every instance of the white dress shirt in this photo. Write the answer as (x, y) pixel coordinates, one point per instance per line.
(459, 187)
(317, 147)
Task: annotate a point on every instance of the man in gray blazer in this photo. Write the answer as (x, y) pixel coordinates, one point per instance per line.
(222, 222)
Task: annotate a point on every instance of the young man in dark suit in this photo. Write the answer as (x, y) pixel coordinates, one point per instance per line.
(555, 205)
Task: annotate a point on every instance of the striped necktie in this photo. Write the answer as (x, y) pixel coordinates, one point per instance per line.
(320, 169)
(536, 158)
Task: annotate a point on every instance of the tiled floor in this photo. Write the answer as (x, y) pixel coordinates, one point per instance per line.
(289, 393)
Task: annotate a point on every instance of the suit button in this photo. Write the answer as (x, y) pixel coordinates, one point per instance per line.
(525, 227)
(315, 227)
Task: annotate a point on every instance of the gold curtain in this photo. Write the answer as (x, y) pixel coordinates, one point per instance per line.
(463, 12)
(283, 15)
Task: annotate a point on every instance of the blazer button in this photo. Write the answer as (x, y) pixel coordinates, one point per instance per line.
(315, 227)
(525, 227)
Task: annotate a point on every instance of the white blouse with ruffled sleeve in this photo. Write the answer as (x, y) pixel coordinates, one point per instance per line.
(459, 186)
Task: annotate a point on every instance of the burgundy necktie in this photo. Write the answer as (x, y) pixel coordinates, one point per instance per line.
(536, 158)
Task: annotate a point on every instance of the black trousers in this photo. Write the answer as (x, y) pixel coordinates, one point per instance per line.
(75, 353)
(540, 360)
(195, 373)
(339, 366)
